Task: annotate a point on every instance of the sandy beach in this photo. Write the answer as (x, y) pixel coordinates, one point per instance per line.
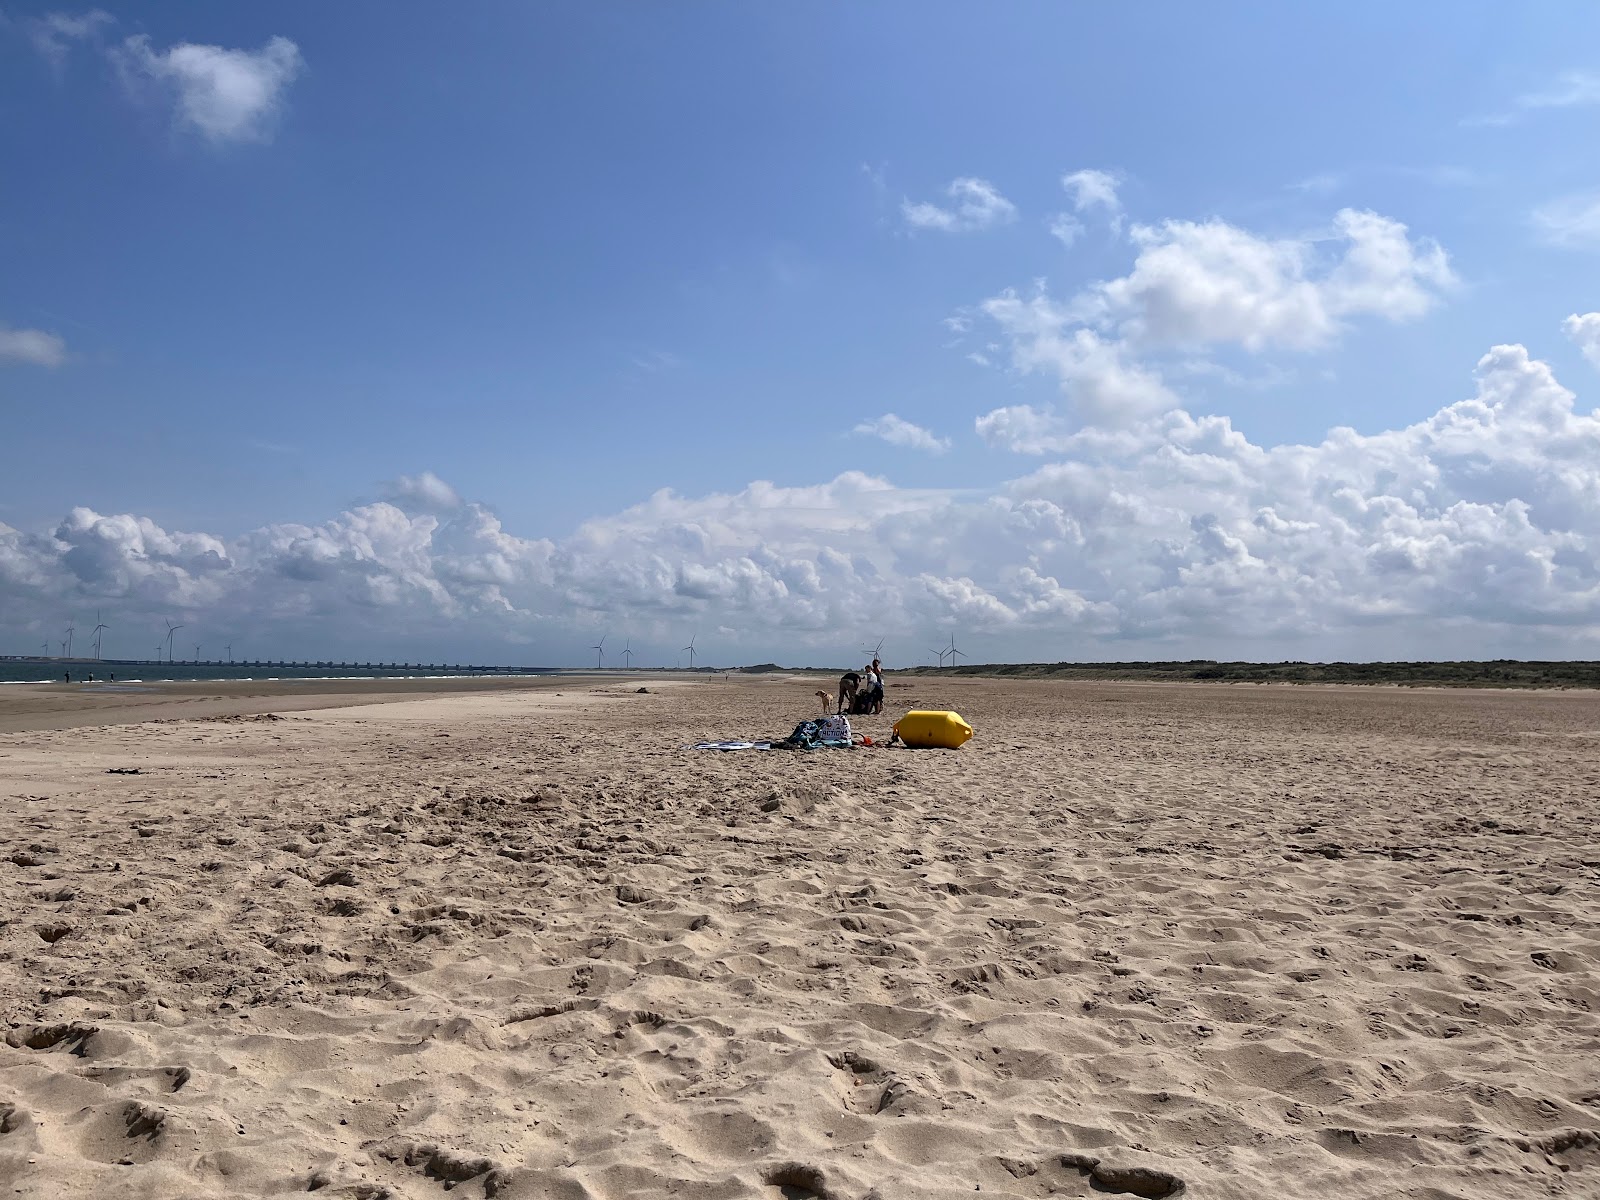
(517, 942)
(77, 705)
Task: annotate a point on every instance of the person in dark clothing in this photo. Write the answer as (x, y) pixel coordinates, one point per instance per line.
(849, 690)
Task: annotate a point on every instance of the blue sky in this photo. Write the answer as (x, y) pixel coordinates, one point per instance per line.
(268, 269)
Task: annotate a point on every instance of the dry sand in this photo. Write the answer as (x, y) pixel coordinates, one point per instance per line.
(1247, 942)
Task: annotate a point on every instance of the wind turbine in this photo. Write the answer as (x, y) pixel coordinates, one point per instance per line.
(690, 649)
(70, 630)
(940, 653)
(229, 649)
(953, 652)
(600, 651)
(197, 654)
(47, 649)
(627, 654)
(100, 626)
(171, 629)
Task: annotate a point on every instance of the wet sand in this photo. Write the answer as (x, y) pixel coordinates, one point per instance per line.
(1132, 940)
(78, 705)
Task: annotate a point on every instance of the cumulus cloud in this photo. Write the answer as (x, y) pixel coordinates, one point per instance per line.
(31, 346)
(1102, 380)
(1585, 333)
(54, 34)
(1091, 191)
(1024, 429)
(974, 204)
(425, 492)
(1066, 229)
(226, 95)
(1471, 533)
(899, 432)
(1195, 285)
(1572, 221)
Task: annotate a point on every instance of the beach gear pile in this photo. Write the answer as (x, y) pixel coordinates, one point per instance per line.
(830, 733)
(919, 729)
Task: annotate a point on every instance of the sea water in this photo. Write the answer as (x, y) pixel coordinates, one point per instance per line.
(55, 671)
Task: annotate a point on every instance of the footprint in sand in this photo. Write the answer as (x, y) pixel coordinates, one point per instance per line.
(70, 1037)
(796, 1181)
(1055, 1175)
(163, 1079)
(444, 1167)
(125, 1133)
(866, 1087)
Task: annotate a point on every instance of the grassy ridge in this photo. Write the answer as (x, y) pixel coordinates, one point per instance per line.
(1499, 673)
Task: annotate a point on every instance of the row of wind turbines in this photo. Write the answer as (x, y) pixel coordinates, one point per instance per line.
(949, 652)
(66, 643)
(599, 649)
(99, 632)
(172, 629)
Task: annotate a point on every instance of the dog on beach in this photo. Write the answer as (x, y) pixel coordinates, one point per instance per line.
(827, 701)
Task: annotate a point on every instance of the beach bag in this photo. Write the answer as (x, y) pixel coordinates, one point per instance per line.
(804, 737)
(833, 729)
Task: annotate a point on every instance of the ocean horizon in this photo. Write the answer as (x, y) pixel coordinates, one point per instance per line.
(47, 670)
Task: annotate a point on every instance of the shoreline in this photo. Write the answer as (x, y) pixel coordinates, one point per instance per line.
(42, 707)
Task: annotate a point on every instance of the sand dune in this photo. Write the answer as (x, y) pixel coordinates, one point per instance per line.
(1133, 939)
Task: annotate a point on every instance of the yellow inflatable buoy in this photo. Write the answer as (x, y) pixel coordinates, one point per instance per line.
(921, 727)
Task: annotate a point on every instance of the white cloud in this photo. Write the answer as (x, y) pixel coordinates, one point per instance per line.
(898, 432)
(54, 33)
(1572, 221)
(975, 204)
(1198, 285)
(1320, 184)
(1585, 333)
(1203, 283)
(226, 95)
(1471, 533)
(32, 346)
(1102, 381)
(1066, 229)
(1570, 90)
(1023, 429)
(1093, 190)
(426, 492)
